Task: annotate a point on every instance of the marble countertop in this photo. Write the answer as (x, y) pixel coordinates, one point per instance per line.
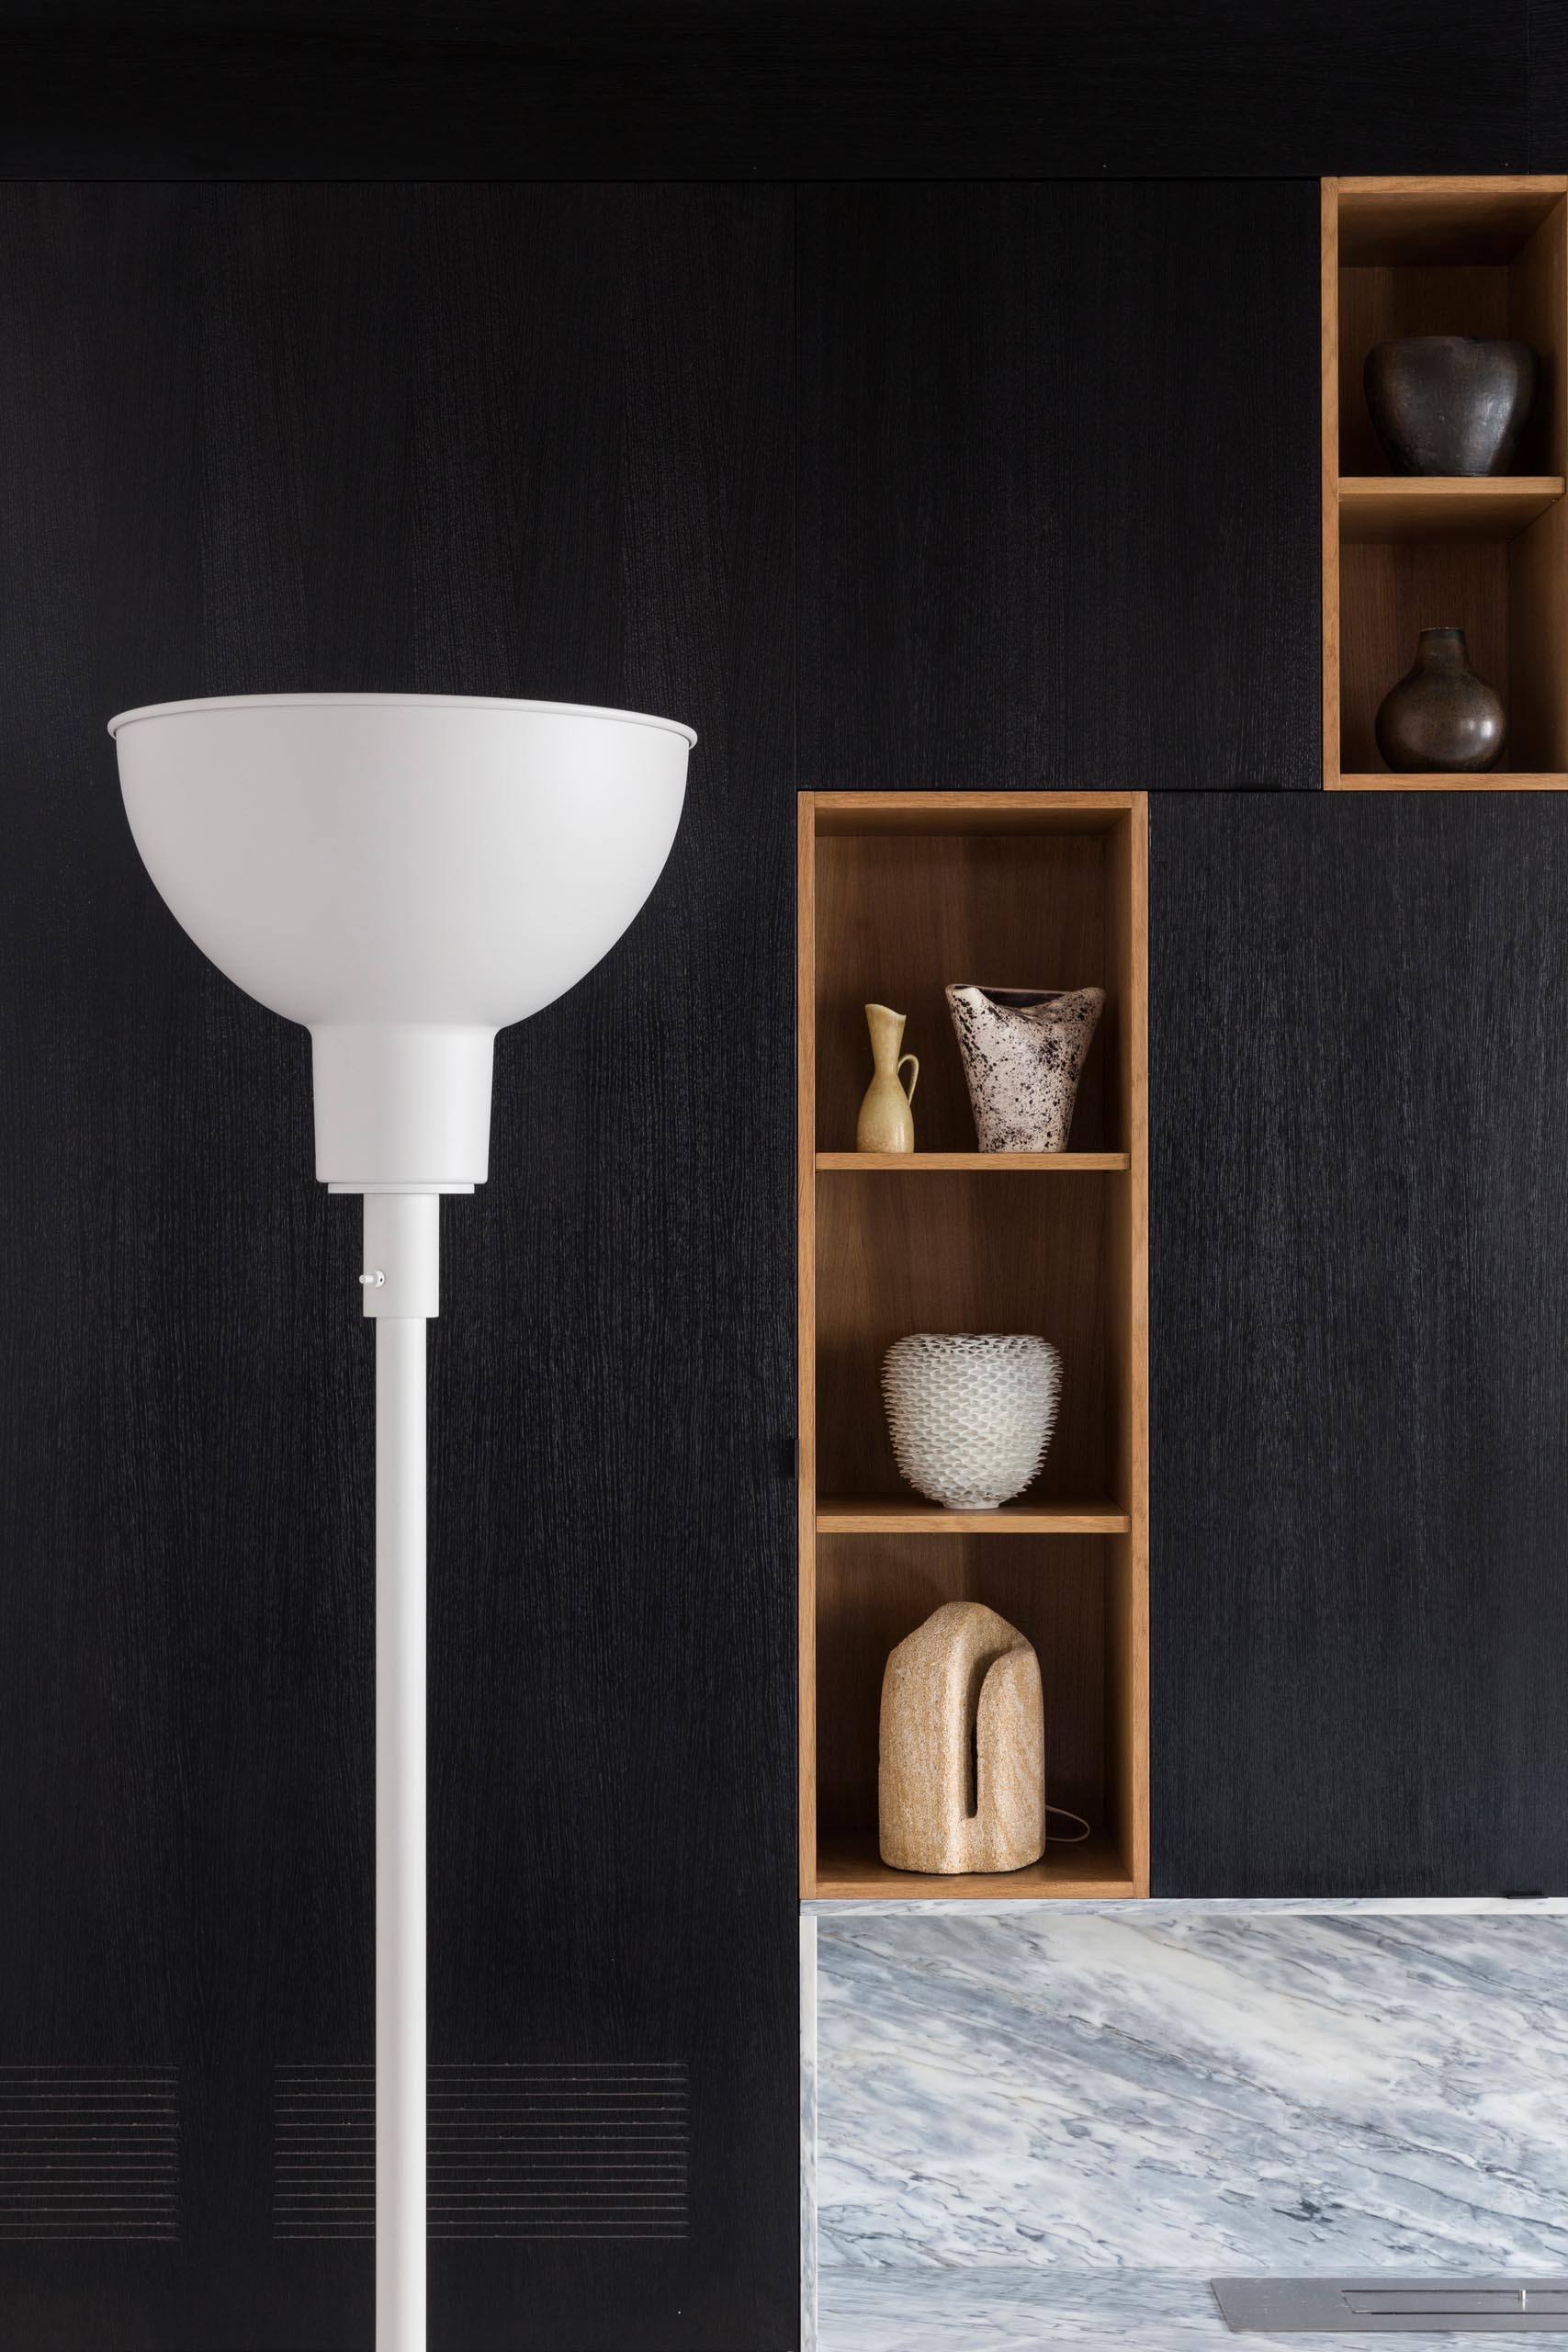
(1055, 2123)
(1022, 2308)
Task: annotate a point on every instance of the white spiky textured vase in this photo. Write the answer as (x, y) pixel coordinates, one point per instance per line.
(971, 1413)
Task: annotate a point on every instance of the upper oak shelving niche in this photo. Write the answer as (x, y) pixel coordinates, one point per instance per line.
(900, 893)
(1402, 553)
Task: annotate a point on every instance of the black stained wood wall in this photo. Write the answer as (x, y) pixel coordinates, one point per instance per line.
(1360, 1317)
(878, 484)
(481, 440)
(1058, 474)
(612, 444)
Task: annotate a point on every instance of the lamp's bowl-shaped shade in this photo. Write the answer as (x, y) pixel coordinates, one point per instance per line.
(404, 874)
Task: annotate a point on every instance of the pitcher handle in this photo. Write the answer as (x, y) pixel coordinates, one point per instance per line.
(909, 1090)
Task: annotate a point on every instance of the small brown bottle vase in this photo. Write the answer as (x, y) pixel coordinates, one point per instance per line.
(1441, 719)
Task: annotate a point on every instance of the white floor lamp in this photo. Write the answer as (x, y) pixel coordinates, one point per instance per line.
(405, 874)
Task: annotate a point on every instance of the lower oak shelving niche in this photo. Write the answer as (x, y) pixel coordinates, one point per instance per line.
(901, 893)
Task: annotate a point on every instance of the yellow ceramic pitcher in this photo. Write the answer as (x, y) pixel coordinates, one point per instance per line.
(885, 1121)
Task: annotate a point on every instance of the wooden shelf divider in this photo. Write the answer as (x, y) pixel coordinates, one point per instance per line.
(1500, 780)
(886, 1516)
(1486, 257)
(1443, 506)
(972, 1163)
(1092, 1869)
(899, 893)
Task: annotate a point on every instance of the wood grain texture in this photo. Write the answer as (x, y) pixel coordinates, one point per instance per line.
(1070, 1870)
(1538, 558)
(1506, 781)
(980, 810)
(901, 916)
(1538, 311)
(674, 89)
(1417, 218)
(1432, 276)
(1389, 592)
(890, 1516)
(1439, 257)
(1014, 570)
(486, 440)
(1546, 32)
(1359, 1107)
(895, 889)
(1014, 1253)
(1127, 1687)
(1537, 653)
(971, 1163)
(874, 1590)
(806, 1335)
(1511, 600)
(1329, 470)
(1379, 304)
(1458, 506)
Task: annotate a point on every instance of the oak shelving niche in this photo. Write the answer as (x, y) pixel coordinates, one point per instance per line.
(1402, 553)
(900, 893)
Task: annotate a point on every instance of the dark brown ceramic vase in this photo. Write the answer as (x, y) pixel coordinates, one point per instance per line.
(1441, 719)
(1450, 404)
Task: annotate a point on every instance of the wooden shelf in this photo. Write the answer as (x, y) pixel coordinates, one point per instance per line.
(1443, 506)
(972, 1163)
(1421, 256)
(881, 1517)
(900, 893)
(1499, 780)
(850, 1869)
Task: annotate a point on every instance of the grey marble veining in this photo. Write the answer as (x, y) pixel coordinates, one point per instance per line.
(1165, 2092)
(1023, 2309)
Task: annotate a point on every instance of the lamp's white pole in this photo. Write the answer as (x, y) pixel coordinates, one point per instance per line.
(401, 1241)
(399, 1834)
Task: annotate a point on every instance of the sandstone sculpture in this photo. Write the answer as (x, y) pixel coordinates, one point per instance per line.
(961, 1778)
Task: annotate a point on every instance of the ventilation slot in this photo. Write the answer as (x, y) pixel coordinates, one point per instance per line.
(557, 2152)
(323, 2151)
(580, 2150)
(88, 2151)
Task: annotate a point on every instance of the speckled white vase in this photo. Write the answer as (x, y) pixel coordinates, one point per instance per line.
(971, 1413)
(1024, 1052)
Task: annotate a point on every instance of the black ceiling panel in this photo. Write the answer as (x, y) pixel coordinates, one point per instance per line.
(730, 89)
